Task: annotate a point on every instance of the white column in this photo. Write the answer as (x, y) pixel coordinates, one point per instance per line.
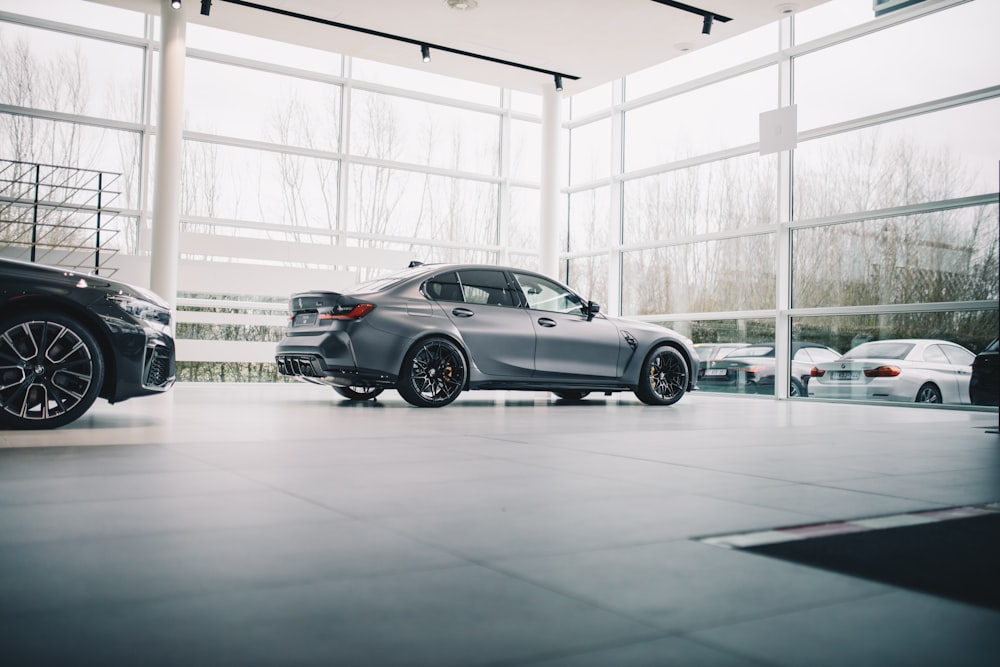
(548, 249)
(783, 270)
(167, 169)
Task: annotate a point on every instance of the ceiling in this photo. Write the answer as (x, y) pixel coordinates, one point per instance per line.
(595, 40)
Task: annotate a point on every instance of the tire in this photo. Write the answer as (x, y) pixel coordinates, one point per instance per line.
(51, 370)
(929, 393)
(433, 374)
(663, 378)
(572, 395)
(796, 389)
(358, 393)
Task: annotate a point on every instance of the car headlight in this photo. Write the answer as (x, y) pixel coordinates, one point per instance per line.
(152, 314)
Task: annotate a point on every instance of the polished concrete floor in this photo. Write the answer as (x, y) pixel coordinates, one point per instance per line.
(279, 525)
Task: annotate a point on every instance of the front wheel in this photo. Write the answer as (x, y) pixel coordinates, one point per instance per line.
(358, 393)
(663, 378)
(51, 370)
(433, 373)
(929, 393)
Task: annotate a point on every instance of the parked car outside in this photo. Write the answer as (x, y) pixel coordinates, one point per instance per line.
(984, 384)
(710, 351)
(751, 369)
(68, 338)
(904, 370)
(433, 331)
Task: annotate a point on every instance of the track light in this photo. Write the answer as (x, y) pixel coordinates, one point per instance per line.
(706, 26)
(206, 7)
(176, 4)
(559, 82)
(425, 53)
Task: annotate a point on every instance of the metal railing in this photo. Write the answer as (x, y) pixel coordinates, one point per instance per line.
(58, 215)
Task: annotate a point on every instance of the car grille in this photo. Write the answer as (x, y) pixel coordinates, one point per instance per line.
(158, 367)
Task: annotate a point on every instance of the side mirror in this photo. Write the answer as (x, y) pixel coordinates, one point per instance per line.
(592, 309)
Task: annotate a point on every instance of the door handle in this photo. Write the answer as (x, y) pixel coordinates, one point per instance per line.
(462, 312)
(546, 322)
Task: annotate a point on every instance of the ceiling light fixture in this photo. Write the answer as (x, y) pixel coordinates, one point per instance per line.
(399, 38)
(425, 53)
(709, 17)
(559, 85)
(462, 5)
(206, 7)
(176, 4)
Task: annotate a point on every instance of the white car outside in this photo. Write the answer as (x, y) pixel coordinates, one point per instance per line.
(904, 370)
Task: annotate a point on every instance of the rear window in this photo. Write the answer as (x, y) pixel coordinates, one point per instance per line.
(880, 350)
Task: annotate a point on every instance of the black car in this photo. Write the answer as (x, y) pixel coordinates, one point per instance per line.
(68, 338)
(984, 385)
(433, 331)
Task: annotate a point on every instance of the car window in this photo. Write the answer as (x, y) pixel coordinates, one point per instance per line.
(753, 351)
(958, 356)
(820, 354)
(444, 287)
(880, 350)
(486, 287)
(935, 355)
(544, 294)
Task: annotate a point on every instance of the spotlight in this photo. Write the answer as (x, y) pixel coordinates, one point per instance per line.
(706, 26)
(559, 82)
(176, 4)
(425, 53)
(206, 7)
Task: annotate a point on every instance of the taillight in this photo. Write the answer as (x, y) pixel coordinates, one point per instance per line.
(817, 372)
(883, 372)
(349, 312)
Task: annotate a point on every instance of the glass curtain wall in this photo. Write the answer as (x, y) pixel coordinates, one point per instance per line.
(882, 223)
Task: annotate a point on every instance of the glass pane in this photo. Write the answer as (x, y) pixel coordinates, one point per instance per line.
(42, 69)
(701, 121)
(591, 101)
(525, 151)
(588, 277)
(830, 17)
(83, 14)
(400, 129)
(261, 186)
(925, 258)
(715, 339)
(429, 254)
(253, 48)
(589, 213)
(895, 68)
(409, 204)
(693, 64)
(943, 155)
(875, 374)
(729, 274)
(590, 152)
(525, 102)
(688, 202)
(251, 104)
(27, 139)
(525, 207)
(424, 82)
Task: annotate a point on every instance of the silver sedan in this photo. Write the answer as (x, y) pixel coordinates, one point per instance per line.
(432, 331)
(906, 370)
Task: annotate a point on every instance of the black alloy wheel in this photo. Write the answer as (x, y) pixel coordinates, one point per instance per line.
(433, 373)
(796, 388)
(51, 370)
(929, 393)
(358, 392)
(663, 378)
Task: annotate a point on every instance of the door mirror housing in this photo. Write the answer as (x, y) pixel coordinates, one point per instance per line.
(592, 309)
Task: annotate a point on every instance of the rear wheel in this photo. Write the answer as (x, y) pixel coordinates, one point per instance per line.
(358, 393)
(796, 388)
(929, 393)
(433, 373)
(663, 378)
(51, 370)
(571, 395)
